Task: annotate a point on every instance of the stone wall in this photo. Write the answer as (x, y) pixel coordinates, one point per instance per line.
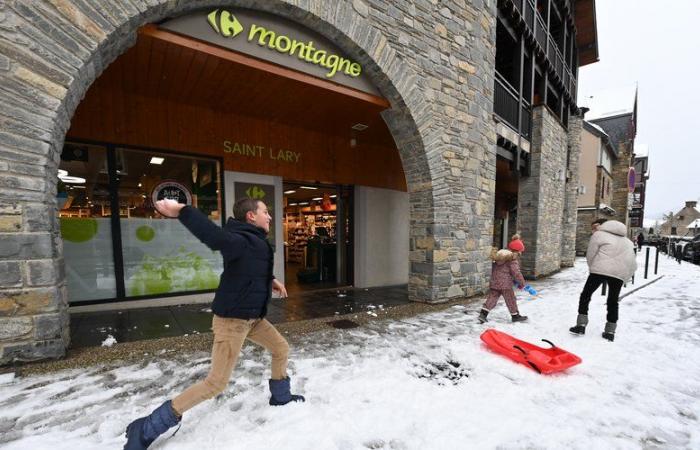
(620, 191)
(569, 222)
(583, 229)
(542, 196)
(434, 62)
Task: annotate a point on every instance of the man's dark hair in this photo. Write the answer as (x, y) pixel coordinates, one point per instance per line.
(599, 221)
(243, 206)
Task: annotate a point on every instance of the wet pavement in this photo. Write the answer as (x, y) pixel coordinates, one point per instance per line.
(91, 329)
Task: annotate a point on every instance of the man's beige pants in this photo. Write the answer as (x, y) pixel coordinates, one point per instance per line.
(229, 335)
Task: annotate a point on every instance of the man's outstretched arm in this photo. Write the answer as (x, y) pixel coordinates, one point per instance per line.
(213, 236)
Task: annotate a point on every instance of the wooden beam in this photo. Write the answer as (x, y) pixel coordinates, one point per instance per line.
(154, 32)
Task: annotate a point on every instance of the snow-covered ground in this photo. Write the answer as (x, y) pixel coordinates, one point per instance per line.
(420, 383)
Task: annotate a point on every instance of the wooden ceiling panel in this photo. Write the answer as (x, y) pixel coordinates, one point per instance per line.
(178, 71)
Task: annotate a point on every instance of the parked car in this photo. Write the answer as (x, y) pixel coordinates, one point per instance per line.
(691, 250)
(653, 240)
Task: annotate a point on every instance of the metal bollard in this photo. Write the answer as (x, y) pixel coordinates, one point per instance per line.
(646, 264)
(656, 263)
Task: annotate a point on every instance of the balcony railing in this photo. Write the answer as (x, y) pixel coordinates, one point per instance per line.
(540, 31)
(506, 104)
(529, 14)
(526, 123)
(537, 26)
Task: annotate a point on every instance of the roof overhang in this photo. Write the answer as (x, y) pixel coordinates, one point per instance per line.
(586, 32)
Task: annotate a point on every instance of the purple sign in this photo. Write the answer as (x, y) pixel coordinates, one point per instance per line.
(631, 179)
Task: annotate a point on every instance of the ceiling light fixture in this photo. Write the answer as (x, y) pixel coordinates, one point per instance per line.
(359, 127)
(73, 180)
(290, 191)
(63, 176)
(309, 187)
(317, 198)
(157, 160)
(333, 196)
(304, 203)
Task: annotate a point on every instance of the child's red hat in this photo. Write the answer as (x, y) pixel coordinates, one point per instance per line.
(516, 245)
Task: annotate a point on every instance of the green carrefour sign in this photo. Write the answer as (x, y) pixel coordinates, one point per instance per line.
(274, 39)
(226, 24)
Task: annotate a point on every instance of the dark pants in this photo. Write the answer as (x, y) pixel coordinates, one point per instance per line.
(592, 283)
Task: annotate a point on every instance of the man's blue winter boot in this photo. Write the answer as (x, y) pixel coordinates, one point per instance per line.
(143, 431)
(280, 393)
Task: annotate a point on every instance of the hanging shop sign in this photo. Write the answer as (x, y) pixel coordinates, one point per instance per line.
(274, 39)
(261, 151)
(171, 190)
(262, 192)
(631, 179)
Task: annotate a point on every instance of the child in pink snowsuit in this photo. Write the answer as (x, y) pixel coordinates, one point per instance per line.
(505, 271)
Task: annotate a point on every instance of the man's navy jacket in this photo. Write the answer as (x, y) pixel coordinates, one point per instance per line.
(245, 285)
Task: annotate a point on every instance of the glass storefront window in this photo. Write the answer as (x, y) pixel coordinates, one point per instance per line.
(160, 255)
(157, 255)
(84, 216)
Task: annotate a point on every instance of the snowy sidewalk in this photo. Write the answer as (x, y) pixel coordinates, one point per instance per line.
(420, 383)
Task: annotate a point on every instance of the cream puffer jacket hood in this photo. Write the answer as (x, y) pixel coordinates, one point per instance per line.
(611, 253)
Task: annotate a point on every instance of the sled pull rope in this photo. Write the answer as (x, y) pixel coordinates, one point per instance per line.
(549, 342)
(537, 369)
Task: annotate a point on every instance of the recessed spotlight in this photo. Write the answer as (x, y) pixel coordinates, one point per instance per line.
(289, 192)
(73, 180)
(309, 187)
(157, 160)
(139, 184)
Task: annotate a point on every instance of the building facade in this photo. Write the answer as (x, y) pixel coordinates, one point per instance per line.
(368, 127)
(540, 46)
(595, 182)
(641, 170)
(682, 223)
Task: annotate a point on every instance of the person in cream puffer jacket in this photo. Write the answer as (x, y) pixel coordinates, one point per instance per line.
(611, 259)
(611, 253)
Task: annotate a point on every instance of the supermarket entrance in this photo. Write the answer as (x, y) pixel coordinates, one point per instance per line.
(317, 230)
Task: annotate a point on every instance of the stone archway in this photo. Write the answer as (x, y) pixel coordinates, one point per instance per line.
(52, 51)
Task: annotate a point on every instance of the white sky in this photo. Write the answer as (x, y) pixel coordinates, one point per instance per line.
(656, 45)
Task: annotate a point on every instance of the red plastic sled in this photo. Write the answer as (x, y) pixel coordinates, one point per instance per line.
(542, 360)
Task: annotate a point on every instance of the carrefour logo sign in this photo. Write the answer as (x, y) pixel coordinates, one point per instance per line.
(227, 25)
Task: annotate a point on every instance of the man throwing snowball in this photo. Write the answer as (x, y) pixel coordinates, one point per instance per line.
(239, 307)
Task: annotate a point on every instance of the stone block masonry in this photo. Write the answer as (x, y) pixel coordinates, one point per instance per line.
(433, 61)
(542, 196)
(569, 218)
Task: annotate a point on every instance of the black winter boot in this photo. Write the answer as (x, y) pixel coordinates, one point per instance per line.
(609, 332)
(143, 431)
(482, 316)
(280, 393)
(581, 322)
(518, 318)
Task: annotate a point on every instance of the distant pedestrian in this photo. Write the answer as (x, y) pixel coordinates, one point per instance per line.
(640, 240)
(611, 259)
(505, 272)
